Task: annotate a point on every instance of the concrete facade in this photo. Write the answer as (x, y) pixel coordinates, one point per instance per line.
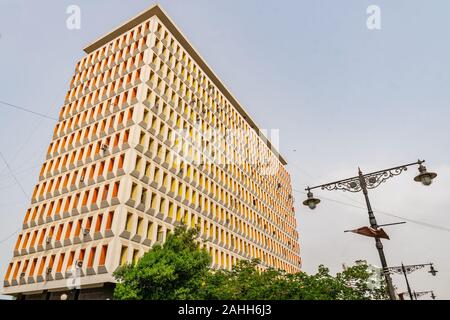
(149, 138)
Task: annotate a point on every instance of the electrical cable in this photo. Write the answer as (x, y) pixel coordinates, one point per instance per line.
(34, 129)
(21, 188)
(13, 175)
(10, 236)
(425, 224)
(27, 110)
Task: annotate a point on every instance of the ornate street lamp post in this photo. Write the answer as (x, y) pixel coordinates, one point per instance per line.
(422, 293)
(363, 182)
(405, 270)
(417, 295)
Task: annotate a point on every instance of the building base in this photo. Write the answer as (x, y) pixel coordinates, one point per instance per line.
(105, 292)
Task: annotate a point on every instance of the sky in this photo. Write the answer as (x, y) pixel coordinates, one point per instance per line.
(342, 96)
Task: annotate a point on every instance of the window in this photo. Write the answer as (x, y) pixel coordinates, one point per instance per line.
(162, 205)
(116, 189)
(126, 135)
(150, 230)
(88, 224)
(134, 191)
(103, 255)
(41, 238)
(123, 255)
(139, 164)
(78, 228)
(18, 242)
(101, 168)
(60, 263)
(42, 265)
(170, 214)
(69, 229)
(135, 256)
(140, 226)
(143, 196)
(95, 196)
(173, 186)
(51, 262)
(109, 220)
(193, 221)
(129, 222)
(156, 176)
(32, 268)
(154, 201)
(85, 199)
(147, 169)
(58, 234)
(142, 139)
(105, 193)
(66, 207)
(91, 257)
(160, 234)
(121, 159)
(98, 225)
(33, 238)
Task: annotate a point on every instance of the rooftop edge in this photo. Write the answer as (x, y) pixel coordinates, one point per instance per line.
(156, 10)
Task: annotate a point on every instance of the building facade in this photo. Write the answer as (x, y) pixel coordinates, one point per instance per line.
(149, 138)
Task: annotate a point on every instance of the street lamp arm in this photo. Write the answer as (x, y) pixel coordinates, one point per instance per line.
(422, 293)
(363, 182)
(408, 269)
(371, 180)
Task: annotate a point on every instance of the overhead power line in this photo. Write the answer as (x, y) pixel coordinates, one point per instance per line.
(13, 175)
(26, 142)
(6, 162)
(425, 224)
(21, 188)
(27, 110)
(10, 236)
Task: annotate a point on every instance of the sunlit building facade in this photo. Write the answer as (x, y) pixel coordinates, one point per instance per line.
(149, 138)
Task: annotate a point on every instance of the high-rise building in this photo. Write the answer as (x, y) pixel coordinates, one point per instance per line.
(149, 138)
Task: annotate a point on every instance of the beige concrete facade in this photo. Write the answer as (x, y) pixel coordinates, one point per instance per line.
(149, 138)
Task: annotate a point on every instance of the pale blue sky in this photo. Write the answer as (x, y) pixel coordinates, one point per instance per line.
(341, 95)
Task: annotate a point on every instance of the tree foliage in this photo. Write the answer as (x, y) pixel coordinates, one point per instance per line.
(245, 282)
(170, 271)
(180, 270)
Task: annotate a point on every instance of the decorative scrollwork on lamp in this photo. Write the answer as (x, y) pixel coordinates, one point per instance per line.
(351, 185)
(408, 269)
(377, 178)
(371, 180)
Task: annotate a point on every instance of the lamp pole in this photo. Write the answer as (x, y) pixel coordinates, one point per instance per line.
(378, 244)
(363, 182)
(405, 270)
(407, 282)
(417, 295)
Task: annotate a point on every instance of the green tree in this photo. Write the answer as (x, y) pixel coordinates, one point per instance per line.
(173, 270)
(366, 282)
(180, 270)
(245, 282)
